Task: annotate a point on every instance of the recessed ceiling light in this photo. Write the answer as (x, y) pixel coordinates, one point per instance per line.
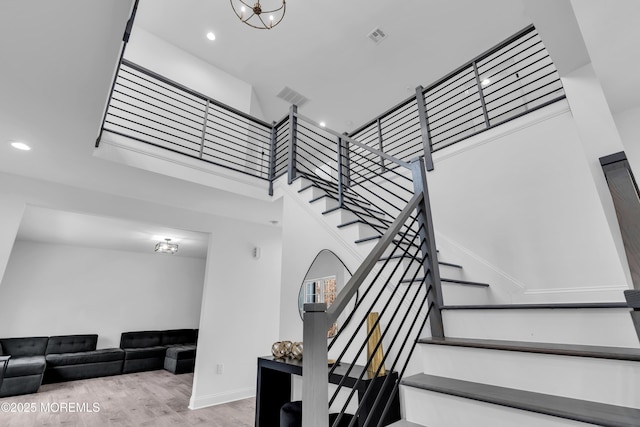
(20, 146)
(323, 124)
(485, 82)
(211, 36)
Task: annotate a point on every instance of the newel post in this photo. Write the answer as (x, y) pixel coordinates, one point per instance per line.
(315, 372)
(272, 157)
(425, 131)
(428, 247)
(293, 141)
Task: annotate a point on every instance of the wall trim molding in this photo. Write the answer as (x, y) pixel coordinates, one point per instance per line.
(199, 402)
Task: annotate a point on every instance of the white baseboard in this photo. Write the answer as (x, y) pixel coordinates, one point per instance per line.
(199, 402)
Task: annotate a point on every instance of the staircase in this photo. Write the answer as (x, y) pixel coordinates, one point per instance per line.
(499, 365)
(362, 225)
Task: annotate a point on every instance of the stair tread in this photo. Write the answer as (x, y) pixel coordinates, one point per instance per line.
(574, 409)
(601, 352)
(536, 306)
(419, 259)
(456, 281)
(356, 221)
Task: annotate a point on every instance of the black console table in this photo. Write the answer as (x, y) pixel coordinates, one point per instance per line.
(274, 389)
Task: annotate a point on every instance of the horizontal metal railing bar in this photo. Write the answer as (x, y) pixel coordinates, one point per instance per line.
(520, 78)
(208, 150)
(156, 113)
(129, 120)
(432, 107)
(407, 153)
(396, 386)
(148, 135)
(434, 135)
(219, 129)
(357, 143)
(125, 120)
(435, 96)
(508, 48)
(410, 124)
(201, 104)
(536, 80)
(531, 109)
(402, 140)
(386, 113)
(524, 94)
(193, 92)
(520, 60)
(408, 110)
(363, 399)
(354, 387)
(435, 127)
(116, 91)
(517, 107)
(209, 131)
(143, 77)
(183, 153)
(216, 155)
(364, 296)
(221, 114)
(482, 56)
(343, 298)
(244, 132)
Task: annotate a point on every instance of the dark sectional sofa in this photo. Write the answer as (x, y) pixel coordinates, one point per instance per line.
(26, 365)
(149, 350)
(74, 357)
(30, 361)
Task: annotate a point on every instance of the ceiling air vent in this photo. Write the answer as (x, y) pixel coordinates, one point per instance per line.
(292, 97)
(377, 35)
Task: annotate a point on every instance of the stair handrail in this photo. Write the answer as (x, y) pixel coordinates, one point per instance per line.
(351, 287)
(318, 316)
(354, 142)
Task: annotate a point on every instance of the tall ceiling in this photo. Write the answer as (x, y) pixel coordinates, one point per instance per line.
(58, 60)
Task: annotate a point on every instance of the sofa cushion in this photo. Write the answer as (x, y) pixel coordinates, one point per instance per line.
(179, 336)
(82, 357)
(181, 352)
(145, 353)
(20, 347)
(140, 339)
(71, 343)
(22, 366)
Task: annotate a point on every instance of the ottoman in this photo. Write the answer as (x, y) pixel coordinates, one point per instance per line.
(180, 359)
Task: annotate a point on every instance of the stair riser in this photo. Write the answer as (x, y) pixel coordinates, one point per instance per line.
(608, 381)
(603, 327)
(454, 294)
(440, 410)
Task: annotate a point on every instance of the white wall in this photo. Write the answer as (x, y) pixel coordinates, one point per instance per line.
(240, 311)
(522, 199)
(240, 301)
(51, 289)
(157, 55)
(628, 123)
(303, 237)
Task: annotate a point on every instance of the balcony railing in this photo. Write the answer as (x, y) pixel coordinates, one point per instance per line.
(511, 79)
(153, 109)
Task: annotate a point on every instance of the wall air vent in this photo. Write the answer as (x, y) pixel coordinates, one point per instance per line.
(292, 97)
(377, 35)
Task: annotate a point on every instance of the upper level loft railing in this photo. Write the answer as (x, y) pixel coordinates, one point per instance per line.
(515, 77)
(150, 108)
(512, 79)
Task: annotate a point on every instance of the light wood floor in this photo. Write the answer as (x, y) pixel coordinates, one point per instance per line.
(155, 398)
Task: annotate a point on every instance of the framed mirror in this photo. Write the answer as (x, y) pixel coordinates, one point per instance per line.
(325, 278)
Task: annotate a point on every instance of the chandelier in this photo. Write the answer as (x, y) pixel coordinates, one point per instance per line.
(167, 247)
(257, 17)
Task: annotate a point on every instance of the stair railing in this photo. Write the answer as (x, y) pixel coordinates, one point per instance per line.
(395, 205)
